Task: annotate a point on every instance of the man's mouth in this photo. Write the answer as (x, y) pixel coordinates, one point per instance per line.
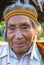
(19, 44)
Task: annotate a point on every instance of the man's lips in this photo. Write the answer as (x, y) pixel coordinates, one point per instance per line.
(20, 44)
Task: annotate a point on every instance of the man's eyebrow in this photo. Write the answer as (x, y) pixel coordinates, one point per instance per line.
(26, 24)
(11, 24)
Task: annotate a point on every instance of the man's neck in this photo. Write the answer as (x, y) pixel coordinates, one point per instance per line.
(19, 55)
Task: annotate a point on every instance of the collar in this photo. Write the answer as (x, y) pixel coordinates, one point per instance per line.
(12, 53)
(35, 55)
(3, 51)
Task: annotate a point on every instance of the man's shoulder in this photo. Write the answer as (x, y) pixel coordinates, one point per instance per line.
(3, 49)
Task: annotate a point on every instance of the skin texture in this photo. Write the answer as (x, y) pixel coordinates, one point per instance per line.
(20, 34)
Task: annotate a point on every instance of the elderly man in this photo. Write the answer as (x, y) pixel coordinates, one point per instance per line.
(20, 33)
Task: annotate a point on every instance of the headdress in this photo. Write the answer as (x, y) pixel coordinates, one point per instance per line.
(20, 9)
(30, 14)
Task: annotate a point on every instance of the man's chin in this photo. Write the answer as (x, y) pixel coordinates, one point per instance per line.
(20, 50)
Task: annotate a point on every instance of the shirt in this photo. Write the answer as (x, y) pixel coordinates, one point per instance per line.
(26, 59)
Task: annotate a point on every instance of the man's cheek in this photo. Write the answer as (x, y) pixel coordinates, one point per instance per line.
(9, 36)
(28, 36)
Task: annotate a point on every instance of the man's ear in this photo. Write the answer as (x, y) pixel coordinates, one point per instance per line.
(34, 34)
(35, 31)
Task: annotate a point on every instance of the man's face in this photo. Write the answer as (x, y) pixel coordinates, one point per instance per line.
(20, 33)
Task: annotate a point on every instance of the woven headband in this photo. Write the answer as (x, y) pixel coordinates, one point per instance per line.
(28, 13)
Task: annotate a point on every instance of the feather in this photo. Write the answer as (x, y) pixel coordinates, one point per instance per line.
(16, 1)
(33, 49)
(40, 5)
(8, 54)
(26, 1)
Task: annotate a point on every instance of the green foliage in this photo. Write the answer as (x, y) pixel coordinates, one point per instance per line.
(42, 36)
(43, 24)
(1, 39)
(2, 25)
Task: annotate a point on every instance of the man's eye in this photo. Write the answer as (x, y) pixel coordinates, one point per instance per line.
(12, 28)
(24, 27)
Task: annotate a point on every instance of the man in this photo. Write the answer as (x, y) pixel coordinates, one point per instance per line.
(20, 33)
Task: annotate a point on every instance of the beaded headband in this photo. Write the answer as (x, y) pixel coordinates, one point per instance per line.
(30, 14)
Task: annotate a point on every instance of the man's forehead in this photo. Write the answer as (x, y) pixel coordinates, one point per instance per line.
(19, 19)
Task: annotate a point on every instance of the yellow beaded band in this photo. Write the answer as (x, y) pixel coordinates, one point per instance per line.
(28, 13)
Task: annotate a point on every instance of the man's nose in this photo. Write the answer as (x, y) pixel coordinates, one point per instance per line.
(18, 34)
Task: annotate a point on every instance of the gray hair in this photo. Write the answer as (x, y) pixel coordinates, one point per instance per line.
(19, 6)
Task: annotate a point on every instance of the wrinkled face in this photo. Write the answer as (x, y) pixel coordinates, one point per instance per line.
(20, 33)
